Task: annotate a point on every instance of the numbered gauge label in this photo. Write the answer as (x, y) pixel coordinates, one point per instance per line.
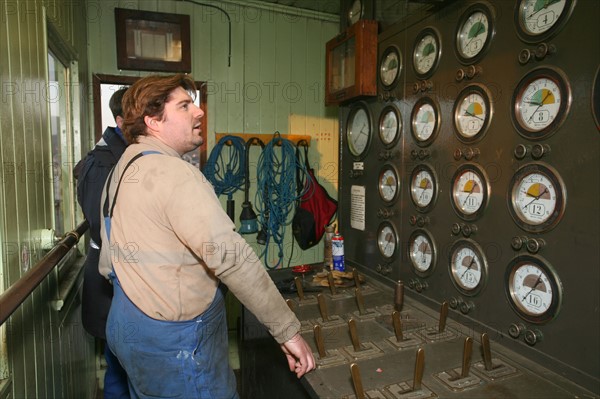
(426, 53)
(390, 126)
(537, 198)
(388, 183)
(425, 121)
(539, 20)
(390, 67)
(387, 240)
(474, 33)
(533, 289)
(358, 131)
(423, 188)
(541, 102)
(472, 113)
(470, 191)
(468, 267)
(422, 253)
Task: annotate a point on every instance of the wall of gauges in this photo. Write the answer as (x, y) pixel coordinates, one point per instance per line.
(474, 176)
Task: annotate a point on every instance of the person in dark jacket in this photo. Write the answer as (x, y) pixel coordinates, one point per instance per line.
(97, 292)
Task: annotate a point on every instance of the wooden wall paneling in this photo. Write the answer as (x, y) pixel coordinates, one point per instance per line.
(251, 85)
(283, 67)
(296, 91)
(232, 89)
(267, 73)
(217, 99)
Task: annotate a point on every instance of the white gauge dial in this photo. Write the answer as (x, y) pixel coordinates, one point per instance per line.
(390, 67)
(389, 126)
(358, 131)
(538, 104)
(424, 122)
(388, 184)
(538, 16)
(471, 114)
(387, 240)
(469, 192)
(426, 52)
(473, 35)
(422, 187)
(467, 266)
(355, 12)
(421, 253)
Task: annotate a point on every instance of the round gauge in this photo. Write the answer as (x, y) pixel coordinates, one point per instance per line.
(468, 267)
(533, 289)
(472, 113)
(390, 67)
(426, 53)
(474, 35)
(539, 20)
(358, 131)
(538, 197)
(540, 103)
(421, 251)
(388, 183)
(423, 188)
(390, 126)
(469, 191)
(425, 121)
(355, 12)
(387, 240)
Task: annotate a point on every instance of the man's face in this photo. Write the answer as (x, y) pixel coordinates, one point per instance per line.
(180, 127)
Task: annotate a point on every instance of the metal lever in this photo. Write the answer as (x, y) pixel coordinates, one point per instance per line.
(354, 335)
(466, 361)
(290, 304)
(331, 283)
(319, 341)
(357, 381)
(397, 326)
(443, 317)
(487, 352)
(299, 288)
(322, 307)
(356, 278)
(399, 296)
(419, 368)
(359, 301)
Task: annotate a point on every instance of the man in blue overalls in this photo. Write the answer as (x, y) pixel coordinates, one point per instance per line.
(170, 247)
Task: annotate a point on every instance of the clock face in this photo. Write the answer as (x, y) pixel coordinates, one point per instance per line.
(474, 33)
(423, 188)
(355, 12)
(358, 131)
(422, 254)
(388, 183)
(425, 121)
(390, 67)
(539, 20)
(390, 126)
(426, 53)
(387, 240)
(469, 192)
(468, 267)
(472, 113)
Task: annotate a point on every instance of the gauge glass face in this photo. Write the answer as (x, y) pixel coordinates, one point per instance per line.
(424, 122)
(538, 104)
(389, 127)
(422, 188)
(355, 12)
(388, 184)
(471, 114)
(387, 240)
(531, 289)
(421, 253)
(473, 35)
(537, 17)
(467, 267)
(469, 192)
(535, 199)
(359, 131)
(390, 67)
(426, 54)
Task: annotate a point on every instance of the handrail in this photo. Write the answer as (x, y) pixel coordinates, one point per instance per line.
(16, 294)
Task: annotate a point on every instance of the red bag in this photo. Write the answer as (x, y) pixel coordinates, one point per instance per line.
(315, 208)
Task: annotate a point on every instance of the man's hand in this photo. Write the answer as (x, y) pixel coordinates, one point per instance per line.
(299, 355)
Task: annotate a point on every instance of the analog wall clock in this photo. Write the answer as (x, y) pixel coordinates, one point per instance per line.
(390, 126)
(425, 121)
(474, 34)
(470, 191)
(538, 20)
(468, 267)
(472, 113)
(358, 130)
(426, 53)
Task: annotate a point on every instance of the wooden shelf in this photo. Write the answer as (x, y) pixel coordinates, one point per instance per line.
(294, 138)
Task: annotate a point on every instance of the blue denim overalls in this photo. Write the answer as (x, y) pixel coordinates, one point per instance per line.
(169, 359)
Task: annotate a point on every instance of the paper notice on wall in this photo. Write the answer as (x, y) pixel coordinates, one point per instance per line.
(357, 207)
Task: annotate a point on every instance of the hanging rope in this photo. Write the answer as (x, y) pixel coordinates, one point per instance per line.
(276, 175)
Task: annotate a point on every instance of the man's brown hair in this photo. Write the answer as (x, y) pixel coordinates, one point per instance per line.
(147, 97)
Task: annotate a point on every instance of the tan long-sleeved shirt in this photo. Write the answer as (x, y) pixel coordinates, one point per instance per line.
(171, 242)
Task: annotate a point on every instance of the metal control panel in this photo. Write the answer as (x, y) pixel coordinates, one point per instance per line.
(474, 175)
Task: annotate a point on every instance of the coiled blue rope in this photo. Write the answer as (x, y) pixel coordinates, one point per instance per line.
(276, 175)
(226, 170)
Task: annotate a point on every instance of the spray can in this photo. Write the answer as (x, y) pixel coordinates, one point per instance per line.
(337, 250)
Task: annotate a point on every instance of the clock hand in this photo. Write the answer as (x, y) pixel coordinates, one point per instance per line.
(539, 280)
(470, 192)
(468, 267)
(535, 198)
(546, 4)
(541, 104)
(467, 113)
(480, 28)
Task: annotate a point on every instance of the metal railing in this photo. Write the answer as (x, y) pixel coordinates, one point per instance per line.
(16, 294)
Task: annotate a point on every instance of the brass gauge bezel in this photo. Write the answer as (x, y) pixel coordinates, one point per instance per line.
(432, 246)
(484, 93)
(397, 128)
(560, 197)
(457, 276)
(381, 186)
(352, 136)
(382, 63)
(436, 120)
(417, 52)
(527, 35)
(387, 226)
(415, 196)
(528, 83)
(546, 277)
(489, 13)
(484, 190)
